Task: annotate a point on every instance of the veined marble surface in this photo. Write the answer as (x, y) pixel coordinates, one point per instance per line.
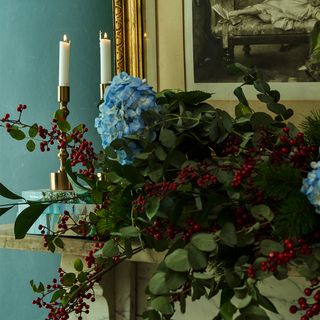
(282, 293)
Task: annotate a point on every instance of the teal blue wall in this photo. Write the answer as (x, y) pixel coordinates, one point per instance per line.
(29, 33)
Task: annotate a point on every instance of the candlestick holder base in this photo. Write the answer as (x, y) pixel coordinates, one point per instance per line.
(59, 181)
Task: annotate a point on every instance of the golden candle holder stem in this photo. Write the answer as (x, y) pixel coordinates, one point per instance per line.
(59, 180)
(103, 87)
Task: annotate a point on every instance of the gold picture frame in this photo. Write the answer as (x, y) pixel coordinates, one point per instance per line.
(128, 36)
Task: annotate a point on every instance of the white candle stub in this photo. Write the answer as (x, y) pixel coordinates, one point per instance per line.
(64, 62)
(105, 58)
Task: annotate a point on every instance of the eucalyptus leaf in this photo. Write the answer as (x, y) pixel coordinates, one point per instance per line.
(178, 260)
(157, 284)
(163, 305)
(204, 242)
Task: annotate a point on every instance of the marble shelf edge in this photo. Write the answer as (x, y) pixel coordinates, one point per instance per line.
(72, 246)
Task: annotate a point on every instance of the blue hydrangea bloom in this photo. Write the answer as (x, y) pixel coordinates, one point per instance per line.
(120, 113)
(311, 186)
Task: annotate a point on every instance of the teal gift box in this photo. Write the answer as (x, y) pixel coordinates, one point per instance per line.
(51, 216)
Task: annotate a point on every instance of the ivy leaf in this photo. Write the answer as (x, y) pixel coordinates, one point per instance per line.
(27, 218)
(30, 145)
(178, 260)
(193, 97)
(204, 242)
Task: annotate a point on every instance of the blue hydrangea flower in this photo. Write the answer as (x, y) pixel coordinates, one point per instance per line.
(311, 186)
(120, 113)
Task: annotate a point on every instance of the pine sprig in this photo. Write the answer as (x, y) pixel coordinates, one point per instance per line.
(311, 127)
(273, 180)
(295, 217)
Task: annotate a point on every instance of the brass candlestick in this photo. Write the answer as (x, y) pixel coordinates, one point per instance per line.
(59, 179)
(103, 87)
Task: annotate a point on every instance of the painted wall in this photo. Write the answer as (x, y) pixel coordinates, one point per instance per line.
(29, 33)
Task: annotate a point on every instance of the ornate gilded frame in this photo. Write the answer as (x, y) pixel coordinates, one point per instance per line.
(128, 35)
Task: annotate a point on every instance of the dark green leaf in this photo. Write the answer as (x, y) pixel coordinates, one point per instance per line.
(197, 259)
(253, 312)
(261, 86)
(129, 232)
(6, 193)
(267, 245)
(204, 242)
(193, 97)
(30, 145)
(157, 284)
(178, 260)
(242, 110)
(16, 133)
(68, 279)
(163, 305)
(265, 302)
(33, 130)
(228, 310)
(78, 264)
(276, 108)
(58, 242)
(151, 315)
(228, 234)
(3, 210)
(128, 248)
(174, 280)
(82, 277)
(57, 295)
(262, 211)
(152, 207)
(64, 125)
(167, 138)
(110, 249)
(260, 120)
(27, 218)
(238, 92)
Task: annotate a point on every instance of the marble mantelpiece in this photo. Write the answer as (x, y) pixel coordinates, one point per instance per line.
(120, 295)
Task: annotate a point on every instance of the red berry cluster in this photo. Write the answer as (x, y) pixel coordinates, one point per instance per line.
(90, 258)
(21, 107)
(293, 150)
(63, 222)
(159, 189)
(139, 204)
(244, 172)
(161, 229)
(276, 259)
(192, 228)
(310, 304)
(243, 218)
(206, 180)
(5, 117)
(188, 173)
(231, 145)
